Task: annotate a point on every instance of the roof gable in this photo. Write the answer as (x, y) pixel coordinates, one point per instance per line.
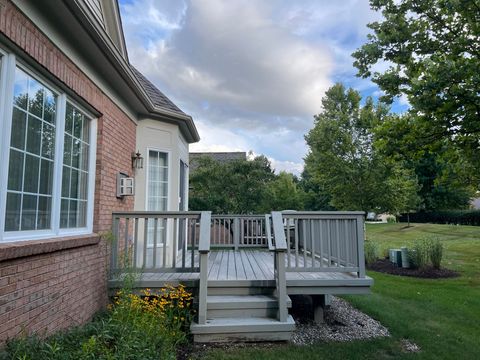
(107, 14)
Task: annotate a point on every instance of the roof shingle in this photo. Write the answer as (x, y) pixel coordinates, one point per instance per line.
(156, 96)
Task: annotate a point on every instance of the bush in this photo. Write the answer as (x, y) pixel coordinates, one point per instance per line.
(149, 326)
(436, 253)
(418, 255)
(391, 219)
(460, 217)
(371, 252)
(426, 251)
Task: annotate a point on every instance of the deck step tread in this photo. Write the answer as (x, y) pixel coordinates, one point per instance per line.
(243, 301)
(242, 325)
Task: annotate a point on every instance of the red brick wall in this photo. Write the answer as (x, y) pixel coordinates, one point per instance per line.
(60, 287)
(51, 291)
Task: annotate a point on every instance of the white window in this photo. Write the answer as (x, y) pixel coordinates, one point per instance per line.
(31, 155)
(157, 181)
(46, 186)
(157, 192)
(73, 211)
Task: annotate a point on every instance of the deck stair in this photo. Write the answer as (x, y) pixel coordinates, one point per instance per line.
(243, 318)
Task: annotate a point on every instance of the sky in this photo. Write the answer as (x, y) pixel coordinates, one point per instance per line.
(251, 73)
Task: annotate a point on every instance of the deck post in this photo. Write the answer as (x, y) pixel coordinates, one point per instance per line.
(281, 280)
(281, 286)
(203, 249)
(236, 232)
(114, 245)
(360, 246)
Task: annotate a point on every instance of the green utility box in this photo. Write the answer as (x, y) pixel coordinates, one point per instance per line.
(396, 256)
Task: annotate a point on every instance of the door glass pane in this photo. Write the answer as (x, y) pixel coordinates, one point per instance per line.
(157, 186)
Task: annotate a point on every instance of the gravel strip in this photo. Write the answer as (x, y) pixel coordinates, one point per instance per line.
(342, 323)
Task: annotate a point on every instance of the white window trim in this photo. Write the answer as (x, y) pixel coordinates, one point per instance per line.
(187, 182)
(7, 72)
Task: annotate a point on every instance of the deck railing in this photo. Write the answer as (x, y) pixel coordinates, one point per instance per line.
(324, 241)
(181, 241)
(238, 231)
(157, 241)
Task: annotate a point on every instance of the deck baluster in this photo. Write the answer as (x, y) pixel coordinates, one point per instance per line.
(155, 238)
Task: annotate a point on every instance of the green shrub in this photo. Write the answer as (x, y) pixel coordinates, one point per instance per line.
(371, 252)
(391, 219)
(419, 254)
(436, 253)
(426, 251)
(149, 326)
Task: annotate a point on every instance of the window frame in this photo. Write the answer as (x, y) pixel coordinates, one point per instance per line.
(168, 152)
(9, 63)
(169, 174)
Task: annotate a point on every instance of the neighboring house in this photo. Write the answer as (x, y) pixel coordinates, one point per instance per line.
(217, 156)
(73, 111)
(475, 203)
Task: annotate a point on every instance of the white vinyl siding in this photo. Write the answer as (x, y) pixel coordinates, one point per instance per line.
(96, 7)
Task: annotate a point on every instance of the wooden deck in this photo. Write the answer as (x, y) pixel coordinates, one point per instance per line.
(242, 268)
(255, 267)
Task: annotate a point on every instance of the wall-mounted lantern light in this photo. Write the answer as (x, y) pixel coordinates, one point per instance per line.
(137, 160)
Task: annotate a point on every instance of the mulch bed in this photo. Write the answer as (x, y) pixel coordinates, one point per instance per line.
(385, 266)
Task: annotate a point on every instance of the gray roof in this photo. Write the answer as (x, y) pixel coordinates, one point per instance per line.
(158, 98)
(218, 156)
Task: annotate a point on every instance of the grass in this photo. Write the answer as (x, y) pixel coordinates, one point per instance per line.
(442, 316)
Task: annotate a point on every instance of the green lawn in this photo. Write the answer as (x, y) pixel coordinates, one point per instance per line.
(441, 316)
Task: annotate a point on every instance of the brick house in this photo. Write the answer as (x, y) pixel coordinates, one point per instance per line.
(74, 113)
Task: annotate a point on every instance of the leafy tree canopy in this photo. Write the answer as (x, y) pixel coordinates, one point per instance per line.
(433, 49)
(242, 187)
(344, 162)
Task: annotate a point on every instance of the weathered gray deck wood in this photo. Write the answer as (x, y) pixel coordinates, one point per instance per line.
(253, 267)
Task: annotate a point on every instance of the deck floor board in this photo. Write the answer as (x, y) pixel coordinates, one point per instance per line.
(248, 265)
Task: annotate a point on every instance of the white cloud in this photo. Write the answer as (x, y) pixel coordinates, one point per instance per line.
(288, 166)
(218, 139)
(251, 73)
(252, 63)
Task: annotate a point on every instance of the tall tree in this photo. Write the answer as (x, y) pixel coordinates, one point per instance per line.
(445, 177)
(433, 48)
(239, 186)
(315, 196)
(284, 193)
(343, 160)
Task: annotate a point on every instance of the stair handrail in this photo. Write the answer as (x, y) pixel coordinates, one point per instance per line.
(203, 249)
(268, 228)
(279, 264)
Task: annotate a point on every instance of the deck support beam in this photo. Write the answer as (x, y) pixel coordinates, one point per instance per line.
(320, 303)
